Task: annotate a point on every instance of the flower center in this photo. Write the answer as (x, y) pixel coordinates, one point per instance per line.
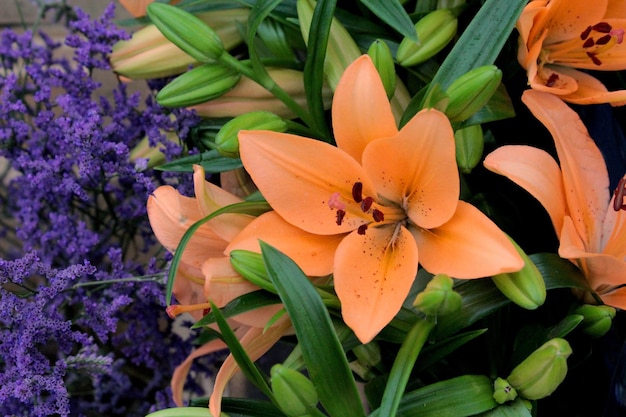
(620, 193)
(600, 38)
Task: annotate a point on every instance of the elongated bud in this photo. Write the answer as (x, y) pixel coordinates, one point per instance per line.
(226, 139)
(367, 359)
(503, 391)
(201, 84)
(597, 320)
(470, 143)
(471, 91)
(250, 265)
(294, 392)
(187, 32)
(541, 372)
(526, 287)
(438, 298)
(434, 32)
(383, 61)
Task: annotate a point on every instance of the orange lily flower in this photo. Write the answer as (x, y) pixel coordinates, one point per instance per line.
(557, 36)
(386, 194)
(590, 224)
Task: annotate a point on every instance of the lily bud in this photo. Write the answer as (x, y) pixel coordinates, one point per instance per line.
(541, 372)
(503, 391)
(434, 32)
(597, 320)
(469, 143)
(471, 91)
(526, 287)
(250, 265)
(226, 139)
(438, 298)
(368, 358)
(383, 61)
(294, 392)
(186, 31)
(198, 85)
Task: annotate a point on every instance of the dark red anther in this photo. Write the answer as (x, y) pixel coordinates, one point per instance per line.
(604, 40)
(602, 27)
(588, 43)
(378, 215)
(206, 311)
(594, 58)
(620, 193)
(366, 204)
(585, 33)
(361, 230)
(340, 216)
(357, 192)
(552, 79)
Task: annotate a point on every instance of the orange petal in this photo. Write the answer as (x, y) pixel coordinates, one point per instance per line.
(614, 233)
(536, 172)
(189, 287)
(417, 168)
(590, 90)
(563, 81)
(222, 283)
(585, 177)
(361, 111)
(298, 176)
(313, 253)
(468, 246)
(616, 298)
(566, 19)
(373, 277)
(136, 8)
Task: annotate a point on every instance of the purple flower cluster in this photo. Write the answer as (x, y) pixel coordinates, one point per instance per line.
(82, 324)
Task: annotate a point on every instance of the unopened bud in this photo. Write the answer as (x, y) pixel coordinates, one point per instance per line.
(250, 265)
(471, 91)
(383, 61)
(186, 31)
(470, 143)
(226, 139)
(526, 287)
(503, 391)
(198, 85)
(597, 320)
(294, 392)
(434, 32)
(543, 371)
(438, 298)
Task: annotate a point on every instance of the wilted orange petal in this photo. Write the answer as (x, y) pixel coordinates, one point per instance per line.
(468, 246)
(418, 166)
(373, 277)
(298, 177)
(313, 253)
(361, 111)
(535, 171)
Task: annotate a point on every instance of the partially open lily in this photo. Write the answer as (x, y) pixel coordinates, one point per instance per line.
(557, 36)
(386, 193)
(590, 224)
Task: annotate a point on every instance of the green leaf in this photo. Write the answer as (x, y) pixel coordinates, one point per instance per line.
(433, 353)
(498, 107)
(513, 409)
(241, 304)
(322, 352)
(211, 161)
(250, 408)
(392, 13)
(559, 272)
(182, 412)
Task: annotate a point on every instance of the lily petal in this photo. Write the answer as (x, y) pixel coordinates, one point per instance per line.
(373, 277)
(361, 111)
(468, 246)
(614, 233)
(223, 284)
(616, 298)
(590, 90)
(563, 18)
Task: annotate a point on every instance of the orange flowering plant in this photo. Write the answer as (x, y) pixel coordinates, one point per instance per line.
(352, 241)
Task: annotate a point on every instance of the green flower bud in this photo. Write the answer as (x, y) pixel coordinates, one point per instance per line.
(383, 61)
(469, 143)
(471, 91)
(226, 139)
(526, 287)
(201, 84)
(294, 392)
(597, 320)
(541, 372)
(438, 298)
(186, 31)
(368, 358)
(250, 265)
(434, 32)
(503, 391)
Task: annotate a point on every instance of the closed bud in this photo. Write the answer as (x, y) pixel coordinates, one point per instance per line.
(471, 91)
(294, 392)
(503, 391)
(469, 144)
(198, 85)
(226, 139)
(250, 265)
(186, 31)
(438, 298)
(383, 61)
(543, 371)
(434, 32)
(526, 287)
(597, 320)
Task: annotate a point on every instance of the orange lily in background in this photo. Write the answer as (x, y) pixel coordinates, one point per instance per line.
(557, 36)
(137, 8)
(590, 224)
(386, 194)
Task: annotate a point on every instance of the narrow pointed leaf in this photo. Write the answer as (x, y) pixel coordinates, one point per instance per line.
(246, 302)
(392, 13)
(211, 161)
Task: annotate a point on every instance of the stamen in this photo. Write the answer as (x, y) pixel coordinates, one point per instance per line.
(602, 27)
(335, 203)
(366, 204)
(552, 79)
(603, 40)
(589, 43)
(594, 58)
(340, 215)
(357, 192)
(585, 33)
(177, 309)
(378, 215)
(361, 230)
(620, 193)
